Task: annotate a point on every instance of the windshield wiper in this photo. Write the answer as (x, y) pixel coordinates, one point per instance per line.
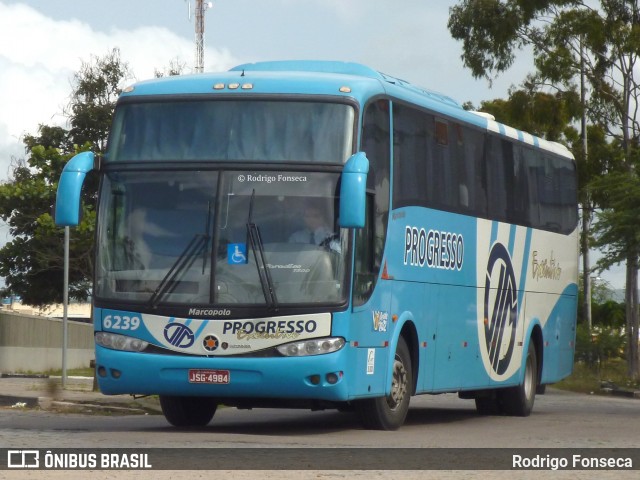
(255, 240)
(198, 244)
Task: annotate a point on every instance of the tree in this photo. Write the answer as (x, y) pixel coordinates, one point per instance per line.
(543, 114)
(572, 40)
(32, 261)
(97, 86)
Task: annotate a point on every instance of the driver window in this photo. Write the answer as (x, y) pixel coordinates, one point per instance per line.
(370, 240)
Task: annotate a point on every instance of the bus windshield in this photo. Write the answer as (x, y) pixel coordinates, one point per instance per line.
(231, 130)
(220, 238)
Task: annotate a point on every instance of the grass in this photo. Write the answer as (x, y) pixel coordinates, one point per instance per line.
(71, 372)
(589, 379)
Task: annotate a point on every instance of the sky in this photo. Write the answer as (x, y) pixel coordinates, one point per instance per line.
(44, 42)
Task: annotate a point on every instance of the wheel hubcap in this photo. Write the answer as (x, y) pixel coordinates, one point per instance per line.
(528, 378)
(398, 385)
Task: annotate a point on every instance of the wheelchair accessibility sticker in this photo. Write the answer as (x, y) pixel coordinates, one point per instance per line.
(236, 253)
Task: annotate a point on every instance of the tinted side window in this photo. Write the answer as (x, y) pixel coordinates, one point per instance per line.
(436, 163)
(444, 165)
(410, 154)
(557, 191)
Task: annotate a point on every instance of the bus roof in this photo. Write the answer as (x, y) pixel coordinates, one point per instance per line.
(312, 77)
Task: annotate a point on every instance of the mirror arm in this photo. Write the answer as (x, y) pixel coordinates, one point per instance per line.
(67, 211)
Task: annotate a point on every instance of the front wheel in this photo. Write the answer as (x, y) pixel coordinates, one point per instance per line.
(389, 413)
(518, 401)
(188, 411)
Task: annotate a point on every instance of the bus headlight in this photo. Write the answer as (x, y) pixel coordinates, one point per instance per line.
(120, 342)
(311, 347)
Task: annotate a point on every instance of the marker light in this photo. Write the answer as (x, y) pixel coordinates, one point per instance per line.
(311, 347)
(120, 342)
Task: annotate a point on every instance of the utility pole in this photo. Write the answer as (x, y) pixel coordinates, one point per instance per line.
(200, 9)
(586, 206)
(65, 307)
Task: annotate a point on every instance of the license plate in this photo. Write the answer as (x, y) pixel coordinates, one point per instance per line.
(209, 376)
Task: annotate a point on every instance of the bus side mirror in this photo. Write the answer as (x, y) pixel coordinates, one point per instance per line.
(67, 212)
(353, 191)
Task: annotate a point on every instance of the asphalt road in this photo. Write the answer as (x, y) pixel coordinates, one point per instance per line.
(559, 420)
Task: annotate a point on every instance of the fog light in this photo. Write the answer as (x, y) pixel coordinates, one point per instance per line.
(102, 371)
(314, 379)
(332, 378)
(115, 373)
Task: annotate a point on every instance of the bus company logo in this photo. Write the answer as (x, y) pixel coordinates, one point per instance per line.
(179, 335)
(500, 308)
(211, 343)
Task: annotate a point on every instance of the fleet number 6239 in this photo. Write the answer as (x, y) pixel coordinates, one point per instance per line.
(118, 322)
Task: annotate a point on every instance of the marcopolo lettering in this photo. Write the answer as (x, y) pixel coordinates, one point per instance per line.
(433, 248)
(271, 326)
(210, 312)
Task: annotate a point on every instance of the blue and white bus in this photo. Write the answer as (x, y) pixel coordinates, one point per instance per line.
(447, 257)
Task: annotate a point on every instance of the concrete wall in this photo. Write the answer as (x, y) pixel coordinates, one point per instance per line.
(34, 344)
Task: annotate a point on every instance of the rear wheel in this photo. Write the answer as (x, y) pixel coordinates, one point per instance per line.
(389, 413)
(188, 411)
(488, 404)
(518, 401)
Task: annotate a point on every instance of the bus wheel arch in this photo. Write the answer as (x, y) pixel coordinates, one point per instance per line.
(389, 412)
(410, 335)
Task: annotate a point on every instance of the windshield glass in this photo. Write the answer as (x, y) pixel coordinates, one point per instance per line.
(220, 238)
(228, 130)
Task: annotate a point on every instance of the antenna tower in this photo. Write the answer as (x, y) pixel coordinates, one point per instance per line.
(200, 9)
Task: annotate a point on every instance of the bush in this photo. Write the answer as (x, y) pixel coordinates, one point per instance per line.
(600, 345)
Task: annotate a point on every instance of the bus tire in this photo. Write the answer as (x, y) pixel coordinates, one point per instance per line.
(389, 413)
(518, 401)
(488, 404)
(188, 411)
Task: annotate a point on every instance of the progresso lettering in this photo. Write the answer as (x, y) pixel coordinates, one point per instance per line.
(271, 327)
(433, 249)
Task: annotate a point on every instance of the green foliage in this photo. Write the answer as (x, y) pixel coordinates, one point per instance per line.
(588, 378)
(617, 231)
(542, 114)
(32, 261)
(490, 31)
(574, 42)
(97, 87)
(600, 345)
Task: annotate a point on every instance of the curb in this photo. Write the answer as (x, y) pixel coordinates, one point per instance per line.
(11, 400)
(52, 404)
(622, 393)
(47, 403)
